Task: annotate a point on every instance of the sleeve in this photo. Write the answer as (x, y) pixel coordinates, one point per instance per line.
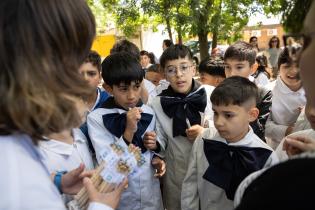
(98, 206)
(275, 131)
(264, 106)
(161, 138)
(99, 135)
(189, 194)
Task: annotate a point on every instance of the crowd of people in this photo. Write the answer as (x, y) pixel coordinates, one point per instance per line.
(238, 136)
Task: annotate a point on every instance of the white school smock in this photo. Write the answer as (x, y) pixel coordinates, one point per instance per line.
(60, 156)
(309, 133)
(143, 192)
(176, 150)
(285, 110)
(25, 181)
(195, 188)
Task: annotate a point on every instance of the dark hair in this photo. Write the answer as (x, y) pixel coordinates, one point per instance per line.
(175, 52)
(121, 68)
(126, 46)
(42, 45)
(241, 51)
(278, 41)
(144, 52)
(95, 59)
(285, 57)
(234, 90)
(252, 37)
(212, 66)
(152, 58)
(154, 68)
(167, 42)
(262, 64)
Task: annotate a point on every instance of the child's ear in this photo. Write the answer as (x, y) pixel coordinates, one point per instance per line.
(194, 69)
(253, 68)
(108, 88)
(253, 114)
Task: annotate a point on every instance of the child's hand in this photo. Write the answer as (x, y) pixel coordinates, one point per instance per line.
(72, 182)
(289, 130)
(193, 132)
(149, 140)
(159, 165)
(111, 198)
(297, 145)
(132, 118)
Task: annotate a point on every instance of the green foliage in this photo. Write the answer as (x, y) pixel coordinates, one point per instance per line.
(293, 12)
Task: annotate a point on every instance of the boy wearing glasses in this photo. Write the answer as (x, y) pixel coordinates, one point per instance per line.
(180, 112)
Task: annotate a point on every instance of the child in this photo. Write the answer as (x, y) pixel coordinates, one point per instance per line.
(153, 74)
(287, 102)
(239, 60)
(261, 75)
(91, 71)
(123, 118)
(145, 59)
(180, 111)
(223, 156)
(211, 71)
(126, 46)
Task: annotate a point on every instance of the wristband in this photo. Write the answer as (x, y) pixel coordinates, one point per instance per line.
(57, 179)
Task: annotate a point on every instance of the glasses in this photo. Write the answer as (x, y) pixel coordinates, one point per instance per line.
(274, 41)
(172, 70)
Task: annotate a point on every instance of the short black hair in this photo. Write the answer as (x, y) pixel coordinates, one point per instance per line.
(154, 68)
(126, 46)
(168, 42)
(285, 56)
(121, 68)
(175, 52)
(241, 51)
(144, 52)
(234, 90)
(95, 59)
(253, 37)
(212, 66)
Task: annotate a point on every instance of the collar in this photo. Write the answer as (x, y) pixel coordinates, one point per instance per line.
(246, 141)
(251, 78)
(282, 87)
(97, 98)
(62, 148)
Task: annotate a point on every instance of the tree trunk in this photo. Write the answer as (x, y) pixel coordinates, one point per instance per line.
(169, 29)
(179, 35)
(203, 45)
(214, 39)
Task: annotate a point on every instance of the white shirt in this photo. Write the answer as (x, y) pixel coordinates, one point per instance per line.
(163, 84)
(24, 180)
(285, 109)
(150, 88)
(60, 156)
(261, 79)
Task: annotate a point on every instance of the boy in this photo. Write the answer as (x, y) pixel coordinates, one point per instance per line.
(145, 60)
(180, 111)
(153, 74)
(223, 156)
(239, 60)
(123, 118)
(287, 102)
(91, 72)
(211, 71)
(126, 46)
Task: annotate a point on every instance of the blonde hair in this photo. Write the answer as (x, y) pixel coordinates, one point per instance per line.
(42, 44)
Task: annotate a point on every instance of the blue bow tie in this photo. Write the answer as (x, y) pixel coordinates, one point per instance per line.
(181, 108)
(116, 124)
(229, 165)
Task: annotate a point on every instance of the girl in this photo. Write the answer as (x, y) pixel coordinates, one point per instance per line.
(261, 75)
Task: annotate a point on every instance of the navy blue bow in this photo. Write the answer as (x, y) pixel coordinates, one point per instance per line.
(181, 108)
(116, 124)
(229, 165)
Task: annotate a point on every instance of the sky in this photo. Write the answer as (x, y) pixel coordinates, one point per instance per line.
(258, 17)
